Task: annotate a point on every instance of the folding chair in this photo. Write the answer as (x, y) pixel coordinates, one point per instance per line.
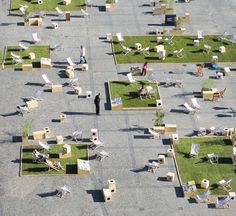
(120, 37)
(36, 95)
(130, 78)
(202, 131)
(195, 104)
(35, 37)
(189, 108)
(194, 150)
(169, 40)
(145, 51)
(56, 165)
(100, 155)
(86, 14)
(17, 60)
(44, 145)
(23, 9)
(70, 62)
(203, 198)
(223, 36)
(13, 55)
(152, 166)
(22, 110)
(213, 158)
(207, 48)
(232, 39)
(23, 47)
(63, 191)
(178, 53)
(73, 83)
(200, 35)
(169, 82)
(223, 203)
(77, 135)
(154, 133)
(150, 91)
(39, 157)
(46, 79)
(125, 49)
(96, 144)
(178, 83)
(59, 11)
(226, 185)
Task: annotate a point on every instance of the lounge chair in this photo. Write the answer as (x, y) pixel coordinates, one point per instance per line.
(17, 60)
(150, 91)
(96, 144)
(125, 49)
(207, 48)
(63, 191)
(178, 83)
(169, 40)
(36, 95)
(120, 37)
(189, 108)
(130, 78)
(13, 55)
(200, 35)
(59, 11)
(22, 110)
(232, 39)
(39, 157)
(223, 36)
(35, 37)
(178, 53)
(145, 51)
(46, 79)
(152, 166)
(56, 165)
(222, 203)
(226, 184)
(44, 145)
(100, 155)
(23, 47)
(202, 131)
(23, 9)
(73, 83)
(86, 14)
(77, 135)
(213, 158)
(70, 62)
(194, 150)
(154, 133)
(195, 104)
(203, 198)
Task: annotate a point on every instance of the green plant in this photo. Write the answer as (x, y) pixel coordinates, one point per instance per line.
(110, 1)
(208, 84)
(179, 21)
(159, 118)
(26, 127)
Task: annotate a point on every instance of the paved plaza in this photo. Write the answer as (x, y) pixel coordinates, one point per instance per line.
(123, 132)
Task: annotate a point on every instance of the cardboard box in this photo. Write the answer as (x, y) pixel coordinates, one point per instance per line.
(70, 73)
(67, 14)
(170, 128)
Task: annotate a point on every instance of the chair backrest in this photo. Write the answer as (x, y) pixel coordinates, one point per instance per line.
(59, 10)
(223, 201)
(57, 46)
(84, 12)
(37, 94)
(233, 39)
(224, 35)
(154, 133)
(194, 149)
(23, 8)
(45, 78)
(44, 145)
(204, 195)
(195, 103)
(35, 37)
(120, 37)
(189, 108)
(180, 51)
(15, 56)
(70, 62)
(23, 46)
(130, 78)
(200, 34)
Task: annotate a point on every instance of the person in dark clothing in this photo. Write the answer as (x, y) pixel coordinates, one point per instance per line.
(144, 69)
(97, 103)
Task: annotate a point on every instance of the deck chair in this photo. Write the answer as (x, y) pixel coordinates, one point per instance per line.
(44, 145)
(96, 144)
(70, 62)
(56, 165)
(130, 78)
(222, 92)
(194, 150)
(195, 104)
(178, 53)
(232, 39)
(100, 155)
(120, 37)
(222, 203)
(63, 191)
(226, 184)
(77, 135)
(85, 14)
(13, 55)
(46, 79)
(36, 95)
(57, 47)
(169, 40)
(152, 166)
(203, 198)
(125, 49)
(223, 36)
(23, 47)
(150, 91)
(59, 11)
(35, 37)
(145, 51)
(213, 158)
(200, 35)
(23, 9)
(73, 83)
(22, 110)
(189, 108)
(178, 83)
(17, 60)
(39, 157)
(207, 48)
(154, 133)
(78, 90)
(202, 131)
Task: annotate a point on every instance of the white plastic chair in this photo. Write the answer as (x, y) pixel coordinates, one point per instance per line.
(23, 9)
(120, 37)
(194, 150)
(145, 51)
(213, 158)
(23, 47)
(73, 83)
(207, 48)
(200, 35)
(46, 79)
(179, 53)
(169, 40)
(59, 11)
(130, 78)
(13, 55)
(76, 135)
(63, 191)
(70, 62)
(44, 145)
(96, 144)
(195, 103)
(152, 166)
(86, 14)
(36, 95)
(125, 49)
(189, 108)
(35, 37)
(23, 110)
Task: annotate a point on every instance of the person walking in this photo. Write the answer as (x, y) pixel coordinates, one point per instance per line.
(97, 103)
(144, 70)
(82, 55)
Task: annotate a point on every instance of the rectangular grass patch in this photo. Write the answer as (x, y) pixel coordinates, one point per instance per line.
(129, 94)
(199, 168)
(69, 164)
(39, 51)
(191, 53)
(48, 5)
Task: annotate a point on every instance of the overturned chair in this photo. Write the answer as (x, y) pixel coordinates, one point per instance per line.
(100, 155)
(63, 191)
(22, 110)
(56, 165)
(152, 166)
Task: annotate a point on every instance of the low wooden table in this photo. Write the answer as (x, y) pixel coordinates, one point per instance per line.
(83, 166)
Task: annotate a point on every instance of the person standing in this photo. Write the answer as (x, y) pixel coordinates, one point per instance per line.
(97, 103)
(82, 55)
(144, 70)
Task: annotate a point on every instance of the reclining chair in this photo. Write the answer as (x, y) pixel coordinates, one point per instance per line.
(100, 155)
(194, 150)
(63, 191)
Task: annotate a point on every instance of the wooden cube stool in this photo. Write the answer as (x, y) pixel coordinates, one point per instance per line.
(205, 183)
(107, 195)
(170, 152)
(47, 132)
(38, 135)
(112, 185)
(175, 139)
(59, 139)
(161, 159)
(57, 88)
(32, 104)
(62, 117)
(88, 94)
(170, 176)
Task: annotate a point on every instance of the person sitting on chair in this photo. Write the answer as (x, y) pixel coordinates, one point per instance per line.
(200, 70)
(142, 91)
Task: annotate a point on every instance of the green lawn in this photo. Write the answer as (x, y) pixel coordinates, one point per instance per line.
(69, 164)
(39, 51)
(129, 94)
(190, 53)
(198, 168)
(48, 5)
